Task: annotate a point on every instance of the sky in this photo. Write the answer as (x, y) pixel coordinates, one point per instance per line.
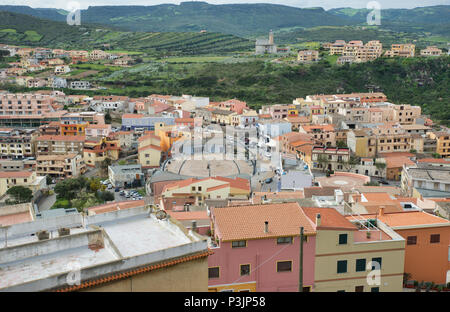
(326, 4)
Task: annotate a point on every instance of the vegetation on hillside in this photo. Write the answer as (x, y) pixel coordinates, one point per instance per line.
(246, 20)
(416, 81)
(26, 30)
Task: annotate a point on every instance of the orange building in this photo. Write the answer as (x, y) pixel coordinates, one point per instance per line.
(427, 254)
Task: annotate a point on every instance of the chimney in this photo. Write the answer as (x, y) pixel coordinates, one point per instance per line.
(381, 211)
(266, 226)
(194, 225)
(318, 220)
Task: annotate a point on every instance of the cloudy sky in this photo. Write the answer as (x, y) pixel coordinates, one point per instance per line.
(327, 4)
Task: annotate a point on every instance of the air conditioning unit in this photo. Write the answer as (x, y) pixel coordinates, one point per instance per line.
(63, 232)
(43, 235)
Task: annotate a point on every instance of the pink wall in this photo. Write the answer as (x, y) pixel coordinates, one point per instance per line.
(262, 255)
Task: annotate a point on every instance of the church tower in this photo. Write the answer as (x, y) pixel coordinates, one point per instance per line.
(270, 37)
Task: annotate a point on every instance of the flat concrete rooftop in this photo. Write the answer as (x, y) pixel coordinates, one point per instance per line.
(98, 245)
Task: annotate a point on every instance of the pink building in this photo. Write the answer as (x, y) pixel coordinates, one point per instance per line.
(257, 248)
(234, 105)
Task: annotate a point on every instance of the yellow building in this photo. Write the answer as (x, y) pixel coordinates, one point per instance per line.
(355, 256)
(21, 178)
(96, 149)
(149, 150)
(442, 142)
(169, 135)
(73, 129)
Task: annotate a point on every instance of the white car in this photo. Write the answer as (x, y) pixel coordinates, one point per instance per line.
(110, 186)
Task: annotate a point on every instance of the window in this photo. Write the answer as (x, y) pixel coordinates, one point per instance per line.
(359, 288)
(193, 188)
(284, 240)
(360, 265)
(435, 238)
(411, 240)
(284, 266)
(239, 244)
(213, 272)
(375, 289)
(342, 239)
(245, 269)
(199, 188)
(376, 260)
(342, 266)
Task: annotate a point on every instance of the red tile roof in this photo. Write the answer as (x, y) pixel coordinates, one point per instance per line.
(15, 174)
(330, 218)
(247, 222)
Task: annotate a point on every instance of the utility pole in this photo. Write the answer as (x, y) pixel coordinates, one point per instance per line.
(300, 284)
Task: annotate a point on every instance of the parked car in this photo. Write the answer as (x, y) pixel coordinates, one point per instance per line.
(269, 180)
(109, 186)
(117, 189)
(384, 182)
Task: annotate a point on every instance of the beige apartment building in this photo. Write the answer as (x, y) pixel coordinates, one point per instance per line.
(59, 144)
(401, 50)
(98, 55)
(442, 142)
(60, 166)
(406, 114)
(25, 104)
(23, 178)
(337, 48)
(308, 56)
(431, 51)
(16, 144)
(392, 138)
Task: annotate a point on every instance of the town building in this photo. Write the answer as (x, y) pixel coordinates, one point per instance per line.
(308, 56)
(401, 50)
(266, 46)
(427, 243)
(60, 166)
(163, 251)
(97, 149)
(330, 158)
(27, 179)
(431, 51)
(348, 251)
(59, 144)
(197, 191)
(256, 248)
(126, 176)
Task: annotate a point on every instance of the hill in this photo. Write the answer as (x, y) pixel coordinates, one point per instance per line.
(247, 20)
(237, 19)
(26, 30)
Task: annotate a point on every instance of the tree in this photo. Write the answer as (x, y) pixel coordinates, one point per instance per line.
(69, 188)
(341, 144)
(49, 180)
(108, 118)
(95, 185)
(106, 196)
(106, 163)
(20, 194)
(323, 161)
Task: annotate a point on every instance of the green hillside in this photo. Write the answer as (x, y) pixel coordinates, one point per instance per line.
(30, 31)
(364, 33)
(246, 20)
(237, 19)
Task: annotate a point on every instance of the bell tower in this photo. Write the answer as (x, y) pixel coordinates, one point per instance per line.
(270, 37)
